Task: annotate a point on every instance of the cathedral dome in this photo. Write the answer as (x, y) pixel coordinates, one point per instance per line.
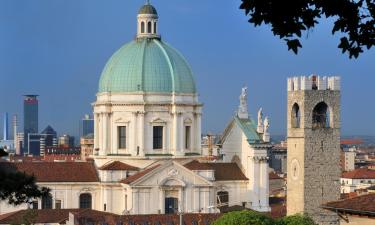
(147, 9)
(147, 65)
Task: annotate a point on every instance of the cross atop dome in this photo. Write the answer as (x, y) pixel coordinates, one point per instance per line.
(147, 21)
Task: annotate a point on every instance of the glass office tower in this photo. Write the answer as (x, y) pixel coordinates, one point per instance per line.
(30, 119)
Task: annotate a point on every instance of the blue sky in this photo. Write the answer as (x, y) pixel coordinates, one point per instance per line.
(58, 48)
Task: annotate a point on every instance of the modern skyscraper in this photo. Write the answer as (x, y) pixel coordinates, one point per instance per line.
(5, 132)
(86, 126)
(30, 118)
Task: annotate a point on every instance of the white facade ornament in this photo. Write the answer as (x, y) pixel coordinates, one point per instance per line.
(242, 109)
(266, 134)
(173, 172)
(260, 121)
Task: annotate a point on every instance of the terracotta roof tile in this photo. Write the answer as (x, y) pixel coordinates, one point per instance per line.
(138, 175)
(55, 171)
(363, 204)
(361, 173)
(42, 215)
(274, 176)
(223, 171)
(97, 217)
(117, 165)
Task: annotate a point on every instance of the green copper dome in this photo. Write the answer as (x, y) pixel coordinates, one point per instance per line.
(147, 65)
(147, 9)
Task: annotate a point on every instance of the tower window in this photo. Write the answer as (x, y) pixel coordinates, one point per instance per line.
(154, 27)
(85, 201)
(149, 27)
(320, 117)
(296, 116)
(157, 137)
(121, 133)
(187, 137)
(142, 27)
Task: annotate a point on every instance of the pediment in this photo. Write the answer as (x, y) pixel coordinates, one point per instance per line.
(172, 174)
(158, 121)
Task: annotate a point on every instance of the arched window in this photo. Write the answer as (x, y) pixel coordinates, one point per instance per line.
(222, 199)
(149, 27)
(85, 201)
(142, 27)
(47, 202)
(320, 117)
(296, 116)
(154, 27)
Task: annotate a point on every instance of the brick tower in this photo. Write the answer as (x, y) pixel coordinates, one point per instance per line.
(313, 146)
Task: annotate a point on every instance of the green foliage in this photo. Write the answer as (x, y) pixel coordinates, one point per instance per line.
(17, 187)
(297, 219)
(244, 218)
(247, 217)
(354, 20)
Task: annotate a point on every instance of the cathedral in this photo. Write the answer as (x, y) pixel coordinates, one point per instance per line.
(147, 155)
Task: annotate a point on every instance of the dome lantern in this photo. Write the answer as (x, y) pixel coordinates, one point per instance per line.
(147, 20)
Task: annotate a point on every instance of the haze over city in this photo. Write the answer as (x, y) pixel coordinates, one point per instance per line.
(57, 49)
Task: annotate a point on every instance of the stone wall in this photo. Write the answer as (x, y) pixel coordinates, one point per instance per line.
(313, 155)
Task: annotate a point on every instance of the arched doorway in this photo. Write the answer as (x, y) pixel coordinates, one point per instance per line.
(171, 200)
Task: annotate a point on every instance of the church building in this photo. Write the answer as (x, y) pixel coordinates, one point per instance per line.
(147, 155)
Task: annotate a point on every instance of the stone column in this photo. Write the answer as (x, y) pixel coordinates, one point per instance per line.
(96, 131)
(141, 128)
(161, 201)
(196, 200)
(198, 132)
(133, 134)
(264, 184)
(174, 134)
(105, 133)
(180, 134)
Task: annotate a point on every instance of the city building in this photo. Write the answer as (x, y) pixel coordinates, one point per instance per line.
(86, 126)
(358, 210)
(66, 141)
(246, 143)
(313, 146)
(30, 121)
(20, 140)
(6, 127)
(358, 179)
(48, 138)
(147, 142)
(348, 159)
(87, 146)
(5, 143)
(278, 158)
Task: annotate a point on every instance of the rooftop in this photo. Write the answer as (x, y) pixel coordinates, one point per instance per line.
(55, 171)
(360, 205)
(361, 173)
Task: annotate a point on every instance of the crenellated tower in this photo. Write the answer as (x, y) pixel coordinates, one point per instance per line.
(313, 146)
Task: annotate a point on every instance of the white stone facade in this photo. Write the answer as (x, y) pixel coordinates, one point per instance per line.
(139, 113)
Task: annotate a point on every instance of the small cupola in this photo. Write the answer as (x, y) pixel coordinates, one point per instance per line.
(147, 22)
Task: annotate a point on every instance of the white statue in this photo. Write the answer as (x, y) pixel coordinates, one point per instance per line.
(242, 109)
(266, 124)
(260, 117)
(260, 121)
